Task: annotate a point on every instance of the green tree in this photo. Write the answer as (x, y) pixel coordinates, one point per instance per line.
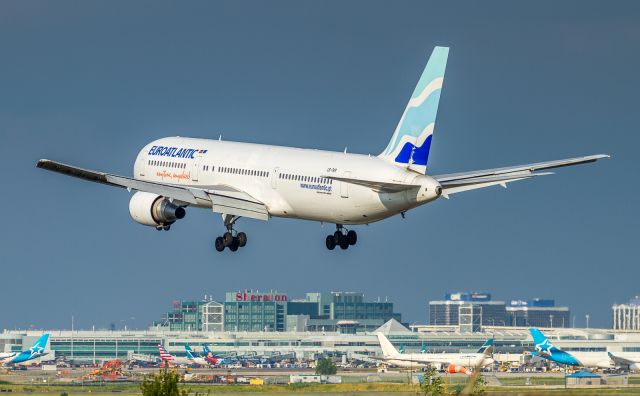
(326, 367)
(165, 383)
(475, 386)
(432, 383)
(478, 386)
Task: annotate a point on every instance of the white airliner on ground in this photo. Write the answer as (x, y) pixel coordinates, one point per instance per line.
(262, 181)
(456, 362)
(177, 360)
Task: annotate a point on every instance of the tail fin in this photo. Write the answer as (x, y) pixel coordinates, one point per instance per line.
(187, 348)
(542, 344)
(41, 343)
(387, 347)
(487, 346)
(411, 141)
(164, 355)
(206, 349)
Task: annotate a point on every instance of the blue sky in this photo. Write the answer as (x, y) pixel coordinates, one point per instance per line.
(90, 83)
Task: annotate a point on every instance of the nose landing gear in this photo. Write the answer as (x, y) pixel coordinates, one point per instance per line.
(339, 238)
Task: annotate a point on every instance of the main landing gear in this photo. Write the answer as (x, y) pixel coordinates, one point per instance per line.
(339, 238)
(231, 239)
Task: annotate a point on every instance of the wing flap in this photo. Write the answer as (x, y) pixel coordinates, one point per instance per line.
(238, 206)
(458, 182)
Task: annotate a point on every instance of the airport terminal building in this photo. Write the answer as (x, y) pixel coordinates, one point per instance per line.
(511, 343)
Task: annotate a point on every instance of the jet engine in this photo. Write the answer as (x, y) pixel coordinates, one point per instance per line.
(154, 210)
(452, 369)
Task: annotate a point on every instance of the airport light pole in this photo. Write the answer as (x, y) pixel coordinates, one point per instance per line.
(587, 317)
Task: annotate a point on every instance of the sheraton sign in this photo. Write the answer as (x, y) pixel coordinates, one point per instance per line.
(250, 296)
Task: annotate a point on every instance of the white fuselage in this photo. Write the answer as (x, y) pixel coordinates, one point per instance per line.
(593, 359)
(468, 360)
(291, 182)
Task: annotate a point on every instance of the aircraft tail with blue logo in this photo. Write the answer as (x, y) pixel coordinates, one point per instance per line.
(411, 141)
(189, 351)
(36, 351)
(543, 347)
(487, 347)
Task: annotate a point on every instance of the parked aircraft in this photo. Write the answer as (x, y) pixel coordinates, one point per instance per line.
(262, 181)
(36, 351)
(456, 362)
(545, 349)
(628, 361)
(171, 359)
(196, 359)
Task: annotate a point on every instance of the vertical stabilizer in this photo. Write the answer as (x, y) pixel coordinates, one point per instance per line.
(487, 347)
(542, 344)
(411, 141)
(388, 350)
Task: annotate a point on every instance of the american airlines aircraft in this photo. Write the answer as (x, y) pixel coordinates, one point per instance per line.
(261, 181)
(456, 362)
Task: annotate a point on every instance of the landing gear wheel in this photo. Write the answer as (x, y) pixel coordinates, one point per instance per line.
(234, 244)
(242, 239)
(344, 242)
(159, 228)
(219, 243)
(352, 237)
(228, 238)
(166, 227)
(331, 242)
(337, 236)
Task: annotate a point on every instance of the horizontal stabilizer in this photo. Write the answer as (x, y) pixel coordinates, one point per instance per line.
(458, 182)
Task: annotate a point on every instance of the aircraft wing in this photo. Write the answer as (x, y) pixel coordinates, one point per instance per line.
(375, 185)
(223, 199)
(619, 361)
(458, 182)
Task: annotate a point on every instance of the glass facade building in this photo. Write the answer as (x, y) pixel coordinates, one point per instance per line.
(538, 313)
(479, 310)
(250, 310)
(469, 311)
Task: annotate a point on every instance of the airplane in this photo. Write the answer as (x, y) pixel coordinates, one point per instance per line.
(545, 349)
(195, 359)
(628, 361)
(211, 358)
(260, 181)
(36, 351)
(169, 359)
(457, 362)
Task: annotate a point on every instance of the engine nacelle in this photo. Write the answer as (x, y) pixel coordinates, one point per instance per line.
(452, 369)
(154, 210)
